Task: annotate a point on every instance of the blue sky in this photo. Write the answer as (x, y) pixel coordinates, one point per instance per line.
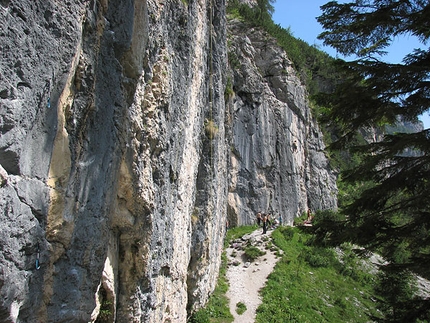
(300, 17)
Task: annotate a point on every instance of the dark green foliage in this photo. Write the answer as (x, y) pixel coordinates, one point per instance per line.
(395, 290)
(200, 316)
(386, 192)
(328, 228)
(368, 27)
(240, 308)
(261, 14)
(320, 257)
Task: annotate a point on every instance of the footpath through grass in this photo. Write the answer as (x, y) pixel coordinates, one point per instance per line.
(308, 284)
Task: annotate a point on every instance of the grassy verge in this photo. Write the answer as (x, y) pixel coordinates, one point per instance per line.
(217, 310)
(311, 284)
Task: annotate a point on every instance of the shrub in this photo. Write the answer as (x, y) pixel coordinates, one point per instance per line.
(211, 129)
(228, 92)
(320, 257)
(240, 308)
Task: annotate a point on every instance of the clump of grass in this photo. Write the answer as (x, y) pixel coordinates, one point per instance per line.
(201, 316)
(252, 253)
(228, 92)
(320, 257)
(240, 308)
(301, 219)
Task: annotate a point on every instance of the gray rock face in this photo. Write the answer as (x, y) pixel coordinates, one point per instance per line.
(277, 163)
(109, 177)
(120, 158)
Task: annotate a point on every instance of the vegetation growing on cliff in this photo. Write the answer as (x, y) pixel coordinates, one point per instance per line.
(313, 65)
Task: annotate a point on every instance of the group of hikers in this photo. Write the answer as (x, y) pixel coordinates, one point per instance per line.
(266, 221)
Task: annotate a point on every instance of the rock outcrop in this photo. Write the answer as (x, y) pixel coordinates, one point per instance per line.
(112, 179)
(121, 158)
(277, 160)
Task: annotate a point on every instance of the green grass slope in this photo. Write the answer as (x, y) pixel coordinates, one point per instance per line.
(314, 284)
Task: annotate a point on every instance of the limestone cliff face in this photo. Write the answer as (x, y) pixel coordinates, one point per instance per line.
(110, 173)
(121, 158)
(277, 162)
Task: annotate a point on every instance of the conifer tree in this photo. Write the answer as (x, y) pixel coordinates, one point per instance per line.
(391, 214)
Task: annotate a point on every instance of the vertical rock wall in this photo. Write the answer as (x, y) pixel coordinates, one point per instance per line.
(119, 160)
(277, 163)
(111, 179)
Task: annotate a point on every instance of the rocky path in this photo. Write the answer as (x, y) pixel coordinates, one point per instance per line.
(247, 278)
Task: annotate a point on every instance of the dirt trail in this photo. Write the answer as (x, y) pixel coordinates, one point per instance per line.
(246, 279)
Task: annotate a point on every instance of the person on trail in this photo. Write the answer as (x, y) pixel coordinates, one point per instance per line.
(258, 218)
(310, 217)
(264, 219)
(269, 220)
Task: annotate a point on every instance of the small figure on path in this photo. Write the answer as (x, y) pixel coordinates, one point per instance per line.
(264, 219)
